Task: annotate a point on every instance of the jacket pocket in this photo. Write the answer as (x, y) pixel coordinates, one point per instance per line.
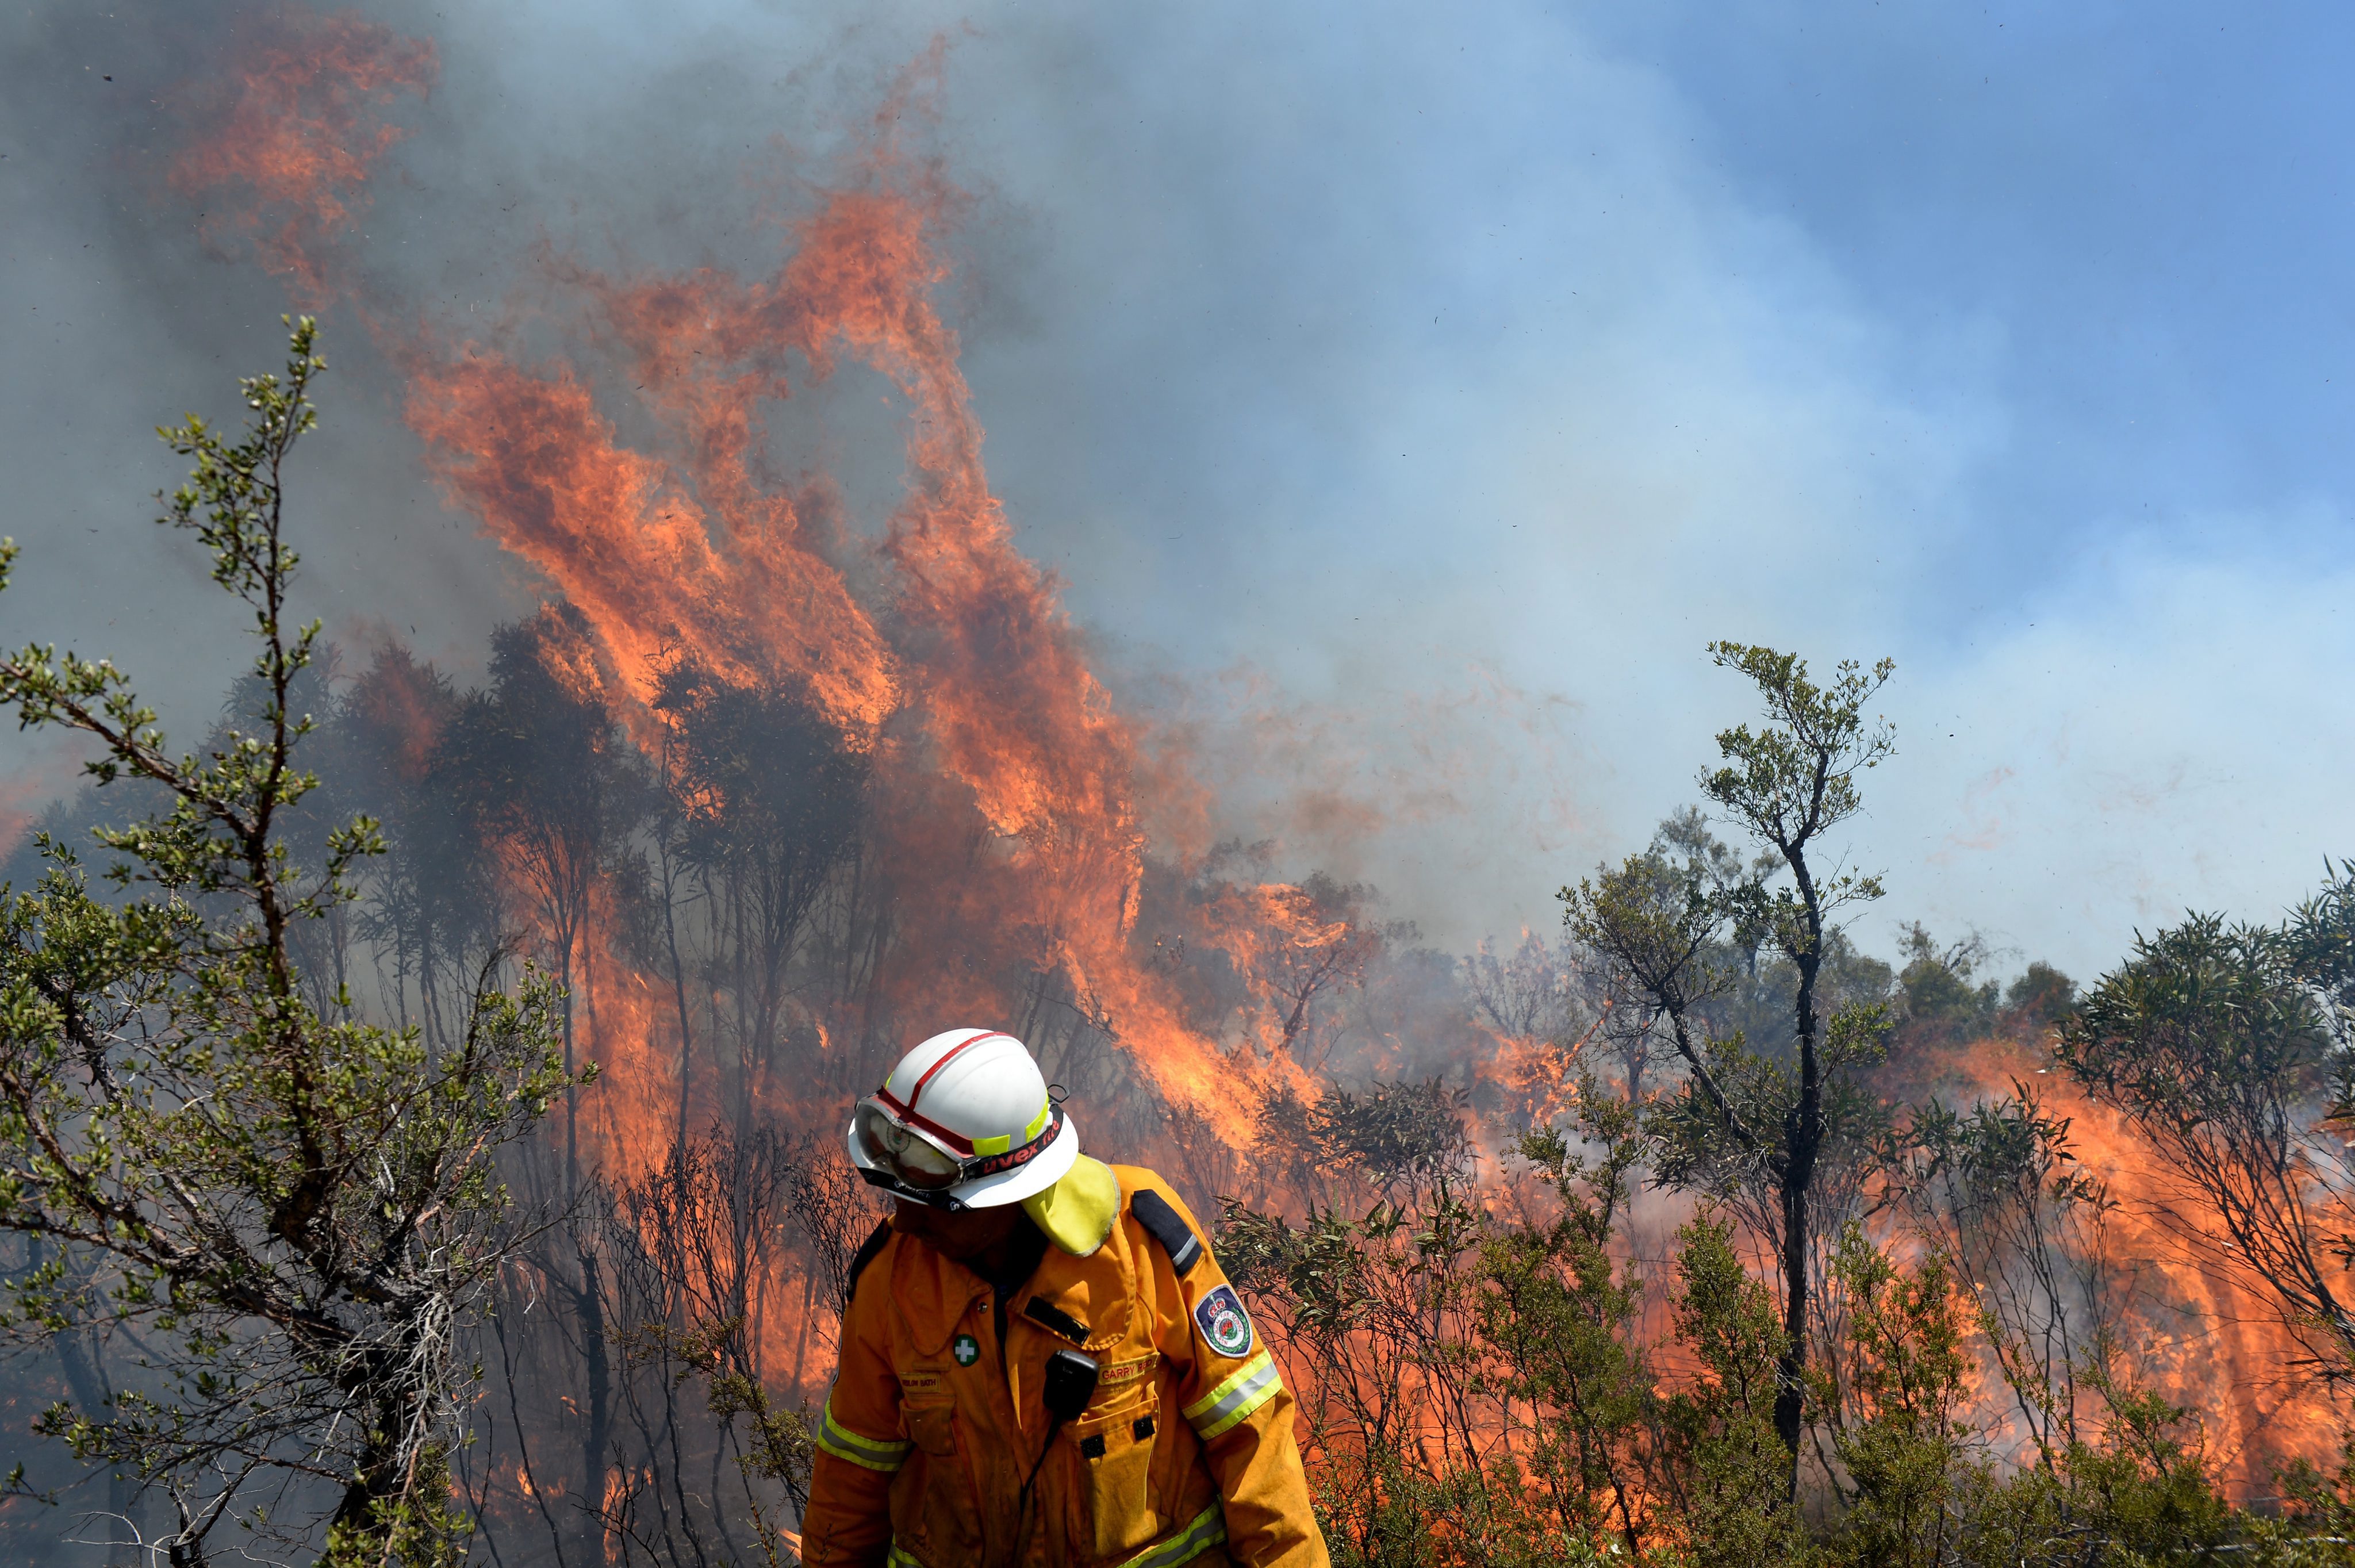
(1115, 1452)
(936, 1503)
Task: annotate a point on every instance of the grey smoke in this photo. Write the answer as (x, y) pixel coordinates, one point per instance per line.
(1404, 397)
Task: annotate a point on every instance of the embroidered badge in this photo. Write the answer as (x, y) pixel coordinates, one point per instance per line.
(966, 1349)
(1223, 1322)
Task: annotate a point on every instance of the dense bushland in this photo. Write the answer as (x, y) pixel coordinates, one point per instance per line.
(419, 1129)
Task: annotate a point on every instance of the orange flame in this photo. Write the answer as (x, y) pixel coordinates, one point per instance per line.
(701, 556)
(2199, 1332)
(961, 673)
(294, 131)
(623, 538)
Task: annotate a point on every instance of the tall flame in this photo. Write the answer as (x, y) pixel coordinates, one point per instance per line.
(699, 554)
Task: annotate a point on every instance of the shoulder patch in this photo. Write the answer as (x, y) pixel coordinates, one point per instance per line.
(1226, 1327)
(867, 1252)
(1165, 1225)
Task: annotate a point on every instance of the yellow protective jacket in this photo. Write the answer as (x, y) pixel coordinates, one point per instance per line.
(1185, 1455)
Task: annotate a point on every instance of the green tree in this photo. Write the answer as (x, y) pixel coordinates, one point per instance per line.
(1906, 1448)
(1667, 929)
(2041, 997)
(1559, 1317)
(2227, 1048)
(296, 1214)
(1937, 1001)
(1788, 783)
(1473, 1391)
(1729, 1473)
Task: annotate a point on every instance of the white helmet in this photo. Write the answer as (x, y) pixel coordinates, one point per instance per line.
(963, 1122)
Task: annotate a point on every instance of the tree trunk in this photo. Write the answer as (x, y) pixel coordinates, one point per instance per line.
(679, 995)
(1790, 1371)
(590, 1301)
(571, 1087)
(1805, 1137)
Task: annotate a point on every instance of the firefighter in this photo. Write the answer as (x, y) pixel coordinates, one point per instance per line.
(1042, 1365)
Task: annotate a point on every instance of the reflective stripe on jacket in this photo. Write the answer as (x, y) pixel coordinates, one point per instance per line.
(1185, 1455)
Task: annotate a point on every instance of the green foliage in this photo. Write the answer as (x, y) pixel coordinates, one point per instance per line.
(295, 1213)
(1584, 1444)
(1793, 780)
(1468, 1387)
(1777, 1132)
(2135, 1491)
(2227, 1048)
(1728, 1470)
(1919, 1489)
(2204, 1020)
(1906, 1448)
(2317, 1524)
(1393, 1136)
(1937, 996)
(1558, 1313)
(1476, 1387)
(1968, 1398)
(2041, 997)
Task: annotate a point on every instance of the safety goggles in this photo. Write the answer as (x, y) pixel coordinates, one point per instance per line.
(910, 1154)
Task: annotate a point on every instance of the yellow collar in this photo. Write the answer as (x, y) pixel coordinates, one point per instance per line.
(1078, 1212)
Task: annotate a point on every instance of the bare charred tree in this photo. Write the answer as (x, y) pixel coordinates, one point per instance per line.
(1075, 1039)
(767, 799)
(699, 1250)
(1532, 993)
(430, 908)
(1745, 1114)
(835, 1212)
(1320, 947)
(668, 880)
(544, 772)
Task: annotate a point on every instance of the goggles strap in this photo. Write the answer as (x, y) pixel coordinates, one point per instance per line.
(970, 1168)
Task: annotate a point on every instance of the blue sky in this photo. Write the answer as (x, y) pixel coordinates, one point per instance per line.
(1406, 394)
